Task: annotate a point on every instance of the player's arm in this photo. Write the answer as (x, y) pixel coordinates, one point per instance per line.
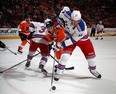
(31, 28)
(76, 36)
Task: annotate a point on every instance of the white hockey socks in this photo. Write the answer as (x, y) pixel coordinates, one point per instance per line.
(92, 68)
(61, 65)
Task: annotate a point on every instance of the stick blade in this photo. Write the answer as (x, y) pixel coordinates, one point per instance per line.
(1, 71)
(69, 68)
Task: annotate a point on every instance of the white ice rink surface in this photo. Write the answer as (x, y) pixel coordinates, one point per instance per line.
(77, 81)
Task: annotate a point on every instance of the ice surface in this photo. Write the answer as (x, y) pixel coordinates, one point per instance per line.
(77, 81)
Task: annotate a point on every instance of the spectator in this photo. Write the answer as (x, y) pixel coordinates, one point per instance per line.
(15, 10)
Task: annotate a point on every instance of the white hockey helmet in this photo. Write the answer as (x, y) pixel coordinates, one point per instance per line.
(65, 8)
(76, 15)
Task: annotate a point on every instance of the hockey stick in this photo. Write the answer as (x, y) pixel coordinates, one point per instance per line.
(3, 46)
(69, 68)
(11, 51)
(52, 78)
(17, 64)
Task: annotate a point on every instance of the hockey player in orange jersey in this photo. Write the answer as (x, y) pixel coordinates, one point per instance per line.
(55, 34)
(24, 33)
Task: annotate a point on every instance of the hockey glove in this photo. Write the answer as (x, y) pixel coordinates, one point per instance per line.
(50, 46)
(2, 45)
(30, 36)
(57, 47)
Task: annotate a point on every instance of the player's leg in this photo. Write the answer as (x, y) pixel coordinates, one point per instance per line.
(101, 33)
(97, 35)
(59, 53)
(45, 53)
(63, 61)
(32, 49)
(23, 42)
(89, 53)
(94, 32)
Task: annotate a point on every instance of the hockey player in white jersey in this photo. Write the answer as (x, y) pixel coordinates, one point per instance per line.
(38, 41)
(77, 35)
(100, 30)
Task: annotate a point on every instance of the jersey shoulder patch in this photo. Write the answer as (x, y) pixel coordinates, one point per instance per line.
(67, 14)
(82, 25)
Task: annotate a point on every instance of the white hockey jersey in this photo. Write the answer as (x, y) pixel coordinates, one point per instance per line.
(40, 32)
(74, 34)
(100, 27)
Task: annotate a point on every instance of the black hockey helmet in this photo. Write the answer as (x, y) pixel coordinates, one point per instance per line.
(48, 23)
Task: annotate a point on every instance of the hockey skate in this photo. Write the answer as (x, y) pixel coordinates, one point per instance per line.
(42, 69)
(96, 38)
(101, 38)
(95, 73)
(58, 73)
(20, 50)
(27, 64)
(57, 77)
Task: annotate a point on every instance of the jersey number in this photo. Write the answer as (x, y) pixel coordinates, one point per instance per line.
(42, 29)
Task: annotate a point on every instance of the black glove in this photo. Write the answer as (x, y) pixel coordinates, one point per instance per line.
(22, 36)
(2, 45)
(50, 46)
(30, 36)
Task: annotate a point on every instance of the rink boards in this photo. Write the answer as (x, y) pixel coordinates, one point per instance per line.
(12, 33)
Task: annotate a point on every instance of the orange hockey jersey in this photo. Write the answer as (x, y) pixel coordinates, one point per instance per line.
(23, 26)
(57, 36)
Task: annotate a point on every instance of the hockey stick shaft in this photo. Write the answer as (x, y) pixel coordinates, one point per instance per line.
(52, 78)
(11, 51)
(17, 64)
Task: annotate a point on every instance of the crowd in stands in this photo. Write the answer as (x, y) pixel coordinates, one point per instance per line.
(12, 12)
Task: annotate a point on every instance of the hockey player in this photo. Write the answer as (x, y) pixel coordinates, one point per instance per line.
(24, 33)
(55, 34)
(38, 41)
(100, 30)
(77, 36)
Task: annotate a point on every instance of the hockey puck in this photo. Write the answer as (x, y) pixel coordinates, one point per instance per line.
(53, 88)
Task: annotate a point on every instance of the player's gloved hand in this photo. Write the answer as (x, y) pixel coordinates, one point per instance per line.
(57, 47)
(30, 36)
(2, 45)
(50, 46)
